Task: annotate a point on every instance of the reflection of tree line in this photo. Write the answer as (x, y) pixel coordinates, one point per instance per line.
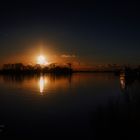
(19, 68)
(18, 78)
(54, 77)
(21, 78)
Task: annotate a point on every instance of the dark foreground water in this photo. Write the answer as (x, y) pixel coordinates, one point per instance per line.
(81, 106)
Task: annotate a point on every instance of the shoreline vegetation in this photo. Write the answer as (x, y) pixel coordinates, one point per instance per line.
(20, 69)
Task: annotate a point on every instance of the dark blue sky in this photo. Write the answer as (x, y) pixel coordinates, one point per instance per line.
(100, 32)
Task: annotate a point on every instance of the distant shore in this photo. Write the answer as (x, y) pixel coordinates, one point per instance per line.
(65, 72)
(67, 69)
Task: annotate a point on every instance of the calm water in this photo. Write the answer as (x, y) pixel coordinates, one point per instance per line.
(81, 106)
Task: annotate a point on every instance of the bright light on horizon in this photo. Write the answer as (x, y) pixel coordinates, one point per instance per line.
(41, 60)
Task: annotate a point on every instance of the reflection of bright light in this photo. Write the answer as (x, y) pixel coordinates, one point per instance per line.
(42, 83)
(122, 81)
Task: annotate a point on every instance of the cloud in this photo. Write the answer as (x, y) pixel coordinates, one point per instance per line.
(68, 56)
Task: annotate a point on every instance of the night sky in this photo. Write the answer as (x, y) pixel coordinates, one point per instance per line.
(100, 32)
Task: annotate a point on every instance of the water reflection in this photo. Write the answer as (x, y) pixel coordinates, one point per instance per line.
(81, 104)
(122, 82)
(38, 83)
(126, 82)
(42, 84)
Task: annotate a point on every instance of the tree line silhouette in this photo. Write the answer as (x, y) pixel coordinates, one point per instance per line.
(19, 68)
(55, 68)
